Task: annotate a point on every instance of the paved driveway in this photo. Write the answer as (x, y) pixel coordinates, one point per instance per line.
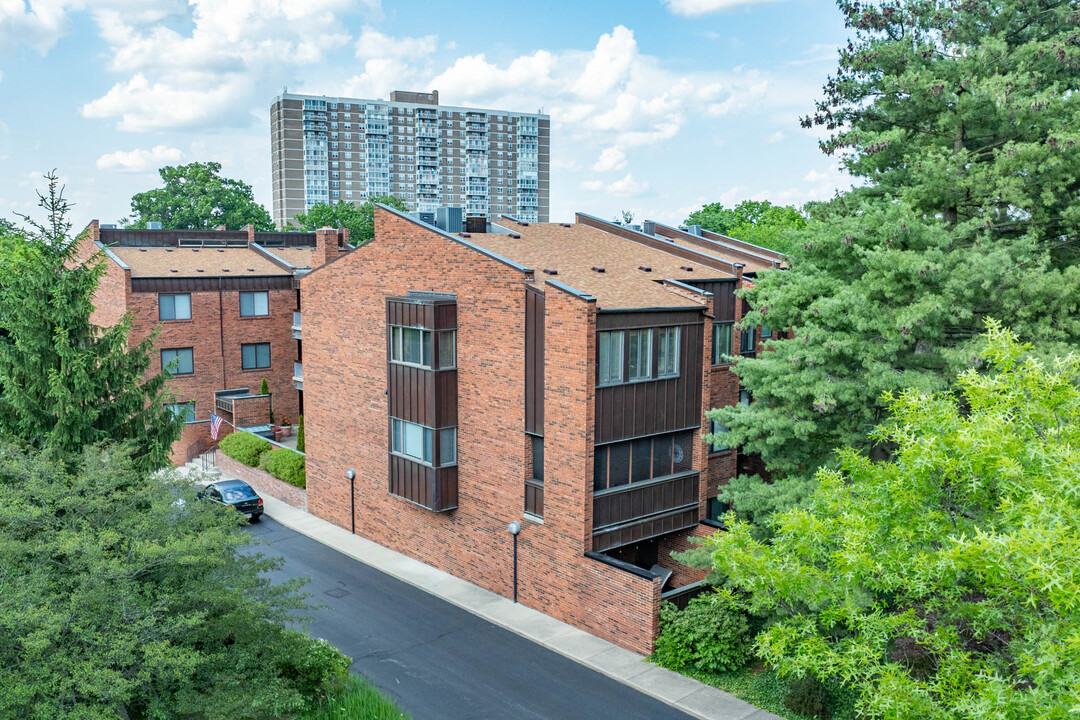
(438, 661)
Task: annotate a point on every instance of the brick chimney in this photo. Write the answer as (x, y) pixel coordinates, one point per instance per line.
(220, 228)
(93, 230)
(329, 243)
(250, 229)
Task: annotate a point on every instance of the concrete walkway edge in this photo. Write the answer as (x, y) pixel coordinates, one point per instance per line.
(630, 668)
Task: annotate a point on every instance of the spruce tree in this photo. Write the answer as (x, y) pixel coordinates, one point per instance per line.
(65, 382)
(959, 121)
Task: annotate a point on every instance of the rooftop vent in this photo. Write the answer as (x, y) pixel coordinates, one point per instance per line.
(195, 250)
(220, 250)
(107, 226)
(551, 271)
(199, 270)
(168, 249)
(251, 269)
(694, 230)
(153, 225)
(597, 268)
(523, 224)
(687, 268)
(224, 269)
(173, 270)
(142, 249)
(644, 268)
(565, 225)
(648, 227)
(516, 236)
(465, 235)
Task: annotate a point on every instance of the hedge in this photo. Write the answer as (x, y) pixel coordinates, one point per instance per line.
(244, 447)
(287, 465)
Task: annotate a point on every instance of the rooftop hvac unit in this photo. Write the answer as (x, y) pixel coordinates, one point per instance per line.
(153, 225)
(694, 230)
(450, 219)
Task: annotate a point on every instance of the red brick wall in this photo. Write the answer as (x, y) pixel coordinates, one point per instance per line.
(215, 332)
(251, 411)
(263, 482)
(346, 425)
(681, 574)
(110, 299)
(194, 439)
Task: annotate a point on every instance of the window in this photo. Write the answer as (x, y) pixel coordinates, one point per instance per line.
(610, 355)
(716, 509)
(622, 463)
(721, 342)
(667, 357)
(538, 458)
(746, 342)
(178, 361)
(411, 440)
(255, 356)
(410, 345)
(254, 304)
(640, 354)
(447, 349)
(719, 433)
(174, 307)
(744, 396)
(448, 446)
(184, 410)
(766, 333)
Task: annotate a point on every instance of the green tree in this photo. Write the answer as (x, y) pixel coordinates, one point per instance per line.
(758, 222)
(959, 120)
(64, 382)
(941, 585)
(8, 228)
(300, 434)
(197, 197)
(124, 596)
(360, 219)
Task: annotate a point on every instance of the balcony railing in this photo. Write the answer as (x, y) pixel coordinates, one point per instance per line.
(296, 324)
(298, 375)
(646, 509)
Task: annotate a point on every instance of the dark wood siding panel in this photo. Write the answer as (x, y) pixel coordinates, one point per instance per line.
(435, 489)
(446, 489)
(654, 527)
(638, 501)
(445, 412)
(412, 394)
(445, 316)
(649, 318)
(655, 406)
(534, 497)
(534, 361)
(210, 284)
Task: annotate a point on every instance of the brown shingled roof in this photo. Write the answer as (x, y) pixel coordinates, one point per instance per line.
(210, 262)
(296, 256)
(575, 250)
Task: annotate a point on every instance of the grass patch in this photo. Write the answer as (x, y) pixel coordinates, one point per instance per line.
(766, 690)
(357, 700)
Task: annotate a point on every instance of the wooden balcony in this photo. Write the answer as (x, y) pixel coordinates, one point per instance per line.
(643, 510)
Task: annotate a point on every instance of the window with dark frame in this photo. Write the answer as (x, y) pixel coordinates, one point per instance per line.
(667, 352)
(176, 306)
(721, 343)
(416, 442)
(747, 342)
(178, 361)
(766, 333)
(255, 356)
(640, 362)
(716, 509)
(610, 355)
(186, 410)
(633, 461)
(254, 304)
(717, 431)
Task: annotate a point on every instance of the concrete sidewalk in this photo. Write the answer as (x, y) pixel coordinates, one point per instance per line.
(629, 668)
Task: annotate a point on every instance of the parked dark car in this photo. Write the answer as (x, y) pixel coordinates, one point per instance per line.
(235, 494)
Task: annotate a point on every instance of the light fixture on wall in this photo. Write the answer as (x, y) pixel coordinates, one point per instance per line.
(515, 529)
(351, 474)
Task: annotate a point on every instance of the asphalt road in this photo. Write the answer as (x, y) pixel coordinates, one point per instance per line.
(438, 661)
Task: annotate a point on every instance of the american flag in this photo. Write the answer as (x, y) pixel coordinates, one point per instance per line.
(215, 426)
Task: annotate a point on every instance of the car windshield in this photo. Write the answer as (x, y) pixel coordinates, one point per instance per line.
(234, 494)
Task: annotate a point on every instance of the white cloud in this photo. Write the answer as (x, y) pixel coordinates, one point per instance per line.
(140, 160)
(612, 158)
(693, 8)
(776, 137)
(374, 44)
(610, 63)
(37, 25)
(592, 185)
(627, 186)
(473, 75)
(215, 65)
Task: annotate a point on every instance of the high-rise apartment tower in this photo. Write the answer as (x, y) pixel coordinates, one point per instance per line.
(334, 149)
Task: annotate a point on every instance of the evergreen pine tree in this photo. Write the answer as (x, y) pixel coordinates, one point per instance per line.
(959, 120)
(65, 382)
(300, 434)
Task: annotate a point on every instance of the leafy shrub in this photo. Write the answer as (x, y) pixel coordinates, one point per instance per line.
(287, 465)
(244, 447)
(300, 434)
(709, 635)
(808, 696)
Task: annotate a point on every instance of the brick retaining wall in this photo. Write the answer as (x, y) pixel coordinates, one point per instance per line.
(263, 482)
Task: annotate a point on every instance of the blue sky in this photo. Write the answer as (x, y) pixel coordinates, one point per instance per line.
(657, 106)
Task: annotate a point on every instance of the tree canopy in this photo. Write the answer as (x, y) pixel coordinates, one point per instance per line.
(941, 585)
(197, 197)
(360, 219)
(125, 596)
(64, 382)
(758, 222)
(960, 120)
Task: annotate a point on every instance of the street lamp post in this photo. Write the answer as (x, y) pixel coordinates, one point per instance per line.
(515, 528)
(351, 474)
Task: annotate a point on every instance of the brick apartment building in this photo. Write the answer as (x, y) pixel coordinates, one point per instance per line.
(227, 305)
(556, 375)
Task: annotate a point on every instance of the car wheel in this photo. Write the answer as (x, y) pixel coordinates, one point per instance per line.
(256, 518)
